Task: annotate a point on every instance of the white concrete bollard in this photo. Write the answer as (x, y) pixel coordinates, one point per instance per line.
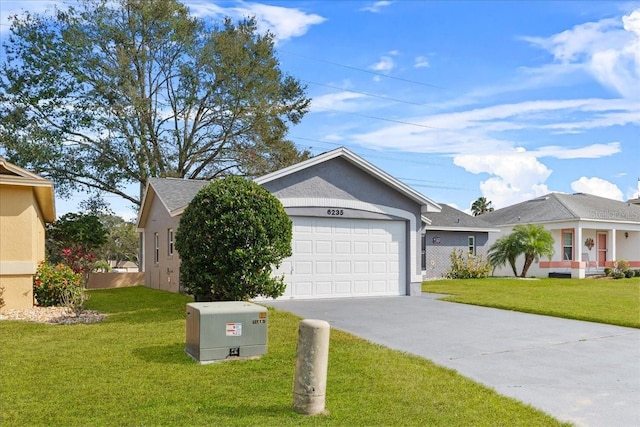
(312, 360)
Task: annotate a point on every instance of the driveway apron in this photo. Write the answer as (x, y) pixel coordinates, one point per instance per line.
(580, 372)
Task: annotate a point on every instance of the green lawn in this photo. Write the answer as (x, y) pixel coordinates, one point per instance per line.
(616, 302)
(131, 370)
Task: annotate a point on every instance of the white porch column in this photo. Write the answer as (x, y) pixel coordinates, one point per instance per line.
(612, 246)
(578, 272)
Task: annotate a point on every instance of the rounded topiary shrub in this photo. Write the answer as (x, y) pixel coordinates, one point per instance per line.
(230, 237)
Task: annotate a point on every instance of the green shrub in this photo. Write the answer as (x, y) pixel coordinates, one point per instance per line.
(628, 274)
(230, 237)
(636, 273)
(467, 266)
(620, 269)
(58, 285)
(617, 274)
(607, 271)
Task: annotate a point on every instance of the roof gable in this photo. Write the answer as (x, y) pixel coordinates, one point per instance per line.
(427, 204)
(174, 194)
(11, 174)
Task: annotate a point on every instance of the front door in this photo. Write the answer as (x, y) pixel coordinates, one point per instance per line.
(602, 249)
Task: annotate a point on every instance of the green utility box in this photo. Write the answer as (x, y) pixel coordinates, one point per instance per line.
(226, 330)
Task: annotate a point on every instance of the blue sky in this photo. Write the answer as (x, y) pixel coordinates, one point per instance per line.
(507, 100)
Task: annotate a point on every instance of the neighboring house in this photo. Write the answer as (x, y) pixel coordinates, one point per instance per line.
(590, 232)
(452, 229)
(26, 204)
(356, 229)
(123, 266)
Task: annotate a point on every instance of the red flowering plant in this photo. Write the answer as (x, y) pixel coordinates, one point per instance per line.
(80, 261)
(58, 285)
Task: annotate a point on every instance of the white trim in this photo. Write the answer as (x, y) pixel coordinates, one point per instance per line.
(427, 204)
(412, 276)
(15, 268)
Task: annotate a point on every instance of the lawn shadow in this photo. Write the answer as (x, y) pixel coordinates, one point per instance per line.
(172, 354)
(146, 315)
(274, 411)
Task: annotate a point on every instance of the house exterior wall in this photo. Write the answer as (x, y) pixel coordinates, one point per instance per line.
(628, 246)
(437, 255)
(22, 244)
(163, 274)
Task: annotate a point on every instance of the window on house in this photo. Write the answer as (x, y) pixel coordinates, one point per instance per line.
(423, 252)
(170, 242)
(156, 245)
(472, 245)
(567, 245)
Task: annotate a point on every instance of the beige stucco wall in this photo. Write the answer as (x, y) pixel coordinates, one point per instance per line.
(114, 280)
(21, 246)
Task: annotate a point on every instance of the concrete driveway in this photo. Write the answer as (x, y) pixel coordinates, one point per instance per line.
(581, 372)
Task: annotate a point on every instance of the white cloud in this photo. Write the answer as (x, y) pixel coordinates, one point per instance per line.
(593, 151)
(421, 62)
(336, 101)
(376, 7)
(385, 64)
(609, 50)
(597, 187)
(285, 23)
(482, 130)
(517, 175)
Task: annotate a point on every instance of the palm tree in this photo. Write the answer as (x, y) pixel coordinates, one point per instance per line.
(481, 206)
(535, 241)
(530, 240)
(505, 249)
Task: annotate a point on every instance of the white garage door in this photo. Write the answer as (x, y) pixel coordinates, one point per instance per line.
(340, 257)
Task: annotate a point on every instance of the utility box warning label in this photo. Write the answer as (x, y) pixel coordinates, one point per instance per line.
(234, 329)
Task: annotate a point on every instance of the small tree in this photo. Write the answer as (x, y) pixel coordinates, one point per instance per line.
(73, 239)
(505, 249)
(230, 237)
(535, 242)
(530, 240)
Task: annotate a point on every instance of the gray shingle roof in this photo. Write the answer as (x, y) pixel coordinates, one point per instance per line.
(562, 207)
(176, 193)
(451, 218)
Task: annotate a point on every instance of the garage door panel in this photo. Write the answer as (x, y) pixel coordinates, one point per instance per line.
(378, 267)
(323, 267)
(343, 267)
(323, 288)
(378, 248)
(301, 267)
(378, 286)
(361, 248)
(342, 247)
(361, 267)
(342, 287)
(334, 257)
(302, 289)
(323, 247)
(303, 247)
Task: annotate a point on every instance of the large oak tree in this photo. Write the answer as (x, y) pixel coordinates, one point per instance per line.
(114, 92)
